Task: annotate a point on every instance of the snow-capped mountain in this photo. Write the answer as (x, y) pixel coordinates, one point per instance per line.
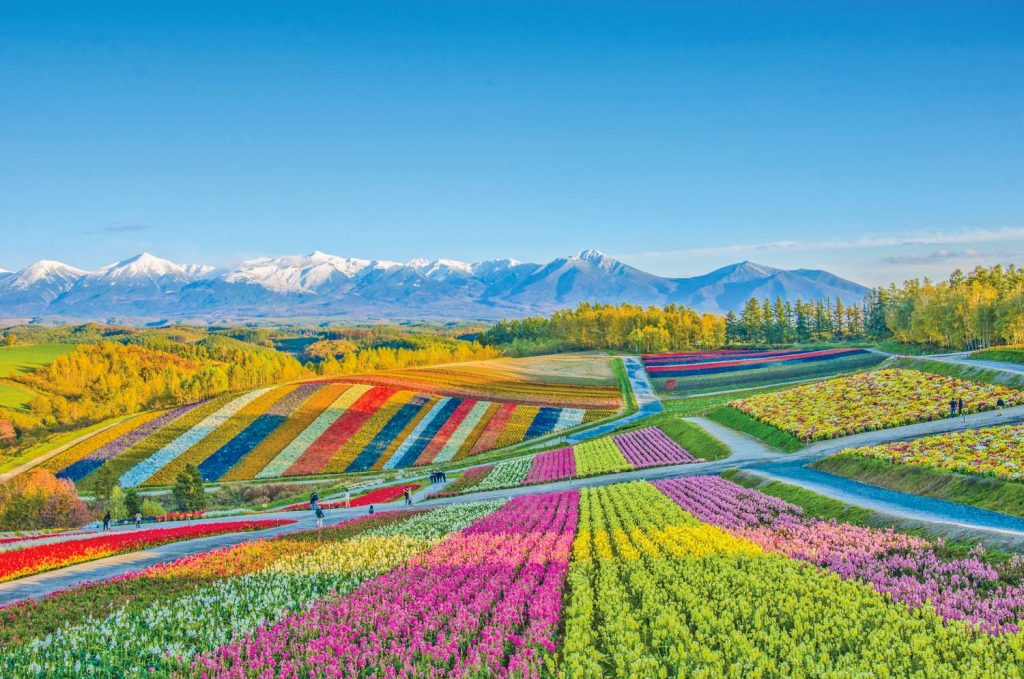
(36, 286)
(324, 285)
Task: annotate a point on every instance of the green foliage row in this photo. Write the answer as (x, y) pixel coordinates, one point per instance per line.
(730, 417)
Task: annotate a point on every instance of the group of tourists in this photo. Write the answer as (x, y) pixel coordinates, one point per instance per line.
(107, 519)
(439, 477)
(314, 504)
(956, 407)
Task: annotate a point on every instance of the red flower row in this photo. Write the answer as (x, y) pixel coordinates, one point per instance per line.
(31, 560)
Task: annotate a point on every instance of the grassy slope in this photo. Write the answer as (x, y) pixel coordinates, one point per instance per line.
(730, 417)
(987, 492)
(43, 447)
(18, 360)
(964, 372)
(695, 439)
(1013, 354)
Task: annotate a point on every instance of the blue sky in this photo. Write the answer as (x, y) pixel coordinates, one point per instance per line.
(878, 140)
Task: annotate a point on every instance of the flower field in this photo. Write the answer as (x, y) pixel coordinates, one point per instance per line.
(323, 427)
(647, 447)
(993, 451)
(869, 401)
(697, 372)
(37, 556)
(373, 497)
(684, 577)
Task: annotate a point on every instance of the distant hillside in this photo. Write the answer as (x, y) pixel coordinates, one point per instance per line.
(147, 288)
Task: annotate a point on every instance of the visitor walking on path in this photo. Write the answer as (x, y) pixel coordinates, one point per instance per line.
(319, 517)
(138, 519)
(106, 521)
(1000, 404)
(408, 496)
(348, 499)
(960, 408)
(314, 498)
(952, 407)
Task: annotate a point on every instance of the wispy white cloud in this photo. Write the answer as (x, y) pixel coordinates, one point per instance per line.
(932, 257)
(934, 238)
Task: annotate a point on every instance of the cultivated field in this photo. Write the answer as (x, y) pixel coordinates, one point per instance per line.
(18, 360)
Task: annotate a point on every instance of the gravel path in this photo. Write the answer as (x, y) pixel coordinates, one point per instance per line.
(962, 359)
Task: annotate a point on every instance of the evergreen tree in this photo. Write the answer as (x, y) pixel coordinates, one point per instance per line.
(189, 491)
(132, 501)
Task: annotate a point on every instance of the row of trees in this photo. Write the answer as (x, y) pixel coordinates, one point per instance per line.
(98, 381)
(37, 500)
(967, 311)
(343, 357)
(606, 326)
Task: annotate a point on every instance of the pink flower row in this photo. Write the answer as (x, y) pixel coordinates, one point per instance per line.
(486, 602)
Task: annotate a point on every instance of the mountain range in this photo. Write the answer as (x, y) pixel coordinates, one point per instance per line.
(147, 288)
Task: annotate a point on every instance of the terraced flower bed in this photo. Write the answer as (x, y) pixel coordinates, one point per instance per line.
(324, 427)
(869, 401)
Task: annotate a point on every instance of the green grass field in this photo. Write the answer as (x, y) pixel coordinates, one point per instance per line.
(987, 492)
(18, 360)
(730, 417)
(1008, 354)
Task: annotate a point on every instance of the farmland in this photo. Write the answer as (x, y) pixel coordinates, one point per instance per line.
(576, 583)
(325, 427)
(693, 373)
(20, 360)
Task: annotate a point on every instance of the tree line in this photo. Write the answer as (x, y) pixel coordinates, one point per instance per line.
(606, 326)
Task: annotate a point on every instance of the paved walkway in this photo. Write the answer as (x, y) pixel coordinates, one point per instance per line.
(647, 402)
(962, 359)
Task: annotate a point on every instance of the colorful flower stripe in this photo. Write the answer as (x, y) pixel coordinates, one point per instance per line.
(429, 401)
(358, 408)
(739, 365)
(600, 456)
(652, 593)
(474, 436)
(149, 445)
(460, 413)
(544, 423)
(158, 460)
(995, 451)
(651, 447)
(485, 602)
(212, 615)
(231, 427)
(554, 465)
(690, 357)
(363, 433)
(517, 426)
(375, 449)
(343, 397)
(458, 438)
(479, 383)
(903, 567)
(40, 558)
(81, 460)
(508, 474)
(869, 401)
(229, 455)
(569, 418)
(30, 619)
(489, 438)
(407, 453)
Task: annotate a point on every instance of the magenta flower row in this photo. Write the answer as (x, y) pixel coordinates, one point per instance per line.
(909, 569)
(553, 465)
(485, 602)
(651, 447)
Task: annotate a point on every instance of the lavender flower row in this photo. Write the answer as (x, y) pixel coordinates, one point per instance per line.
(651, 447)
(906, 568)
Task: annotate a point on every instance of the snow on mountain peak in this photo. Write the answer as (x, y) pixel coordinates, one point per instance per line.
(590, 255)
(46, 269)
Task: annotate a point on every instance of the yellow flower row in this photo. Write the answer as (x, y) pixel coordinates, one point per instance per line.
(599, 456)
(870, 401)
(94, 443)
(652, 593)
(517, 426)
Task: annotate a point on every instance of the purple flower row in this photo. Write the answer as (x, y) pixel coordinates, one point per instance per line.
(906, 568)
(651, 447)
(486, 602)
(554, 465)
